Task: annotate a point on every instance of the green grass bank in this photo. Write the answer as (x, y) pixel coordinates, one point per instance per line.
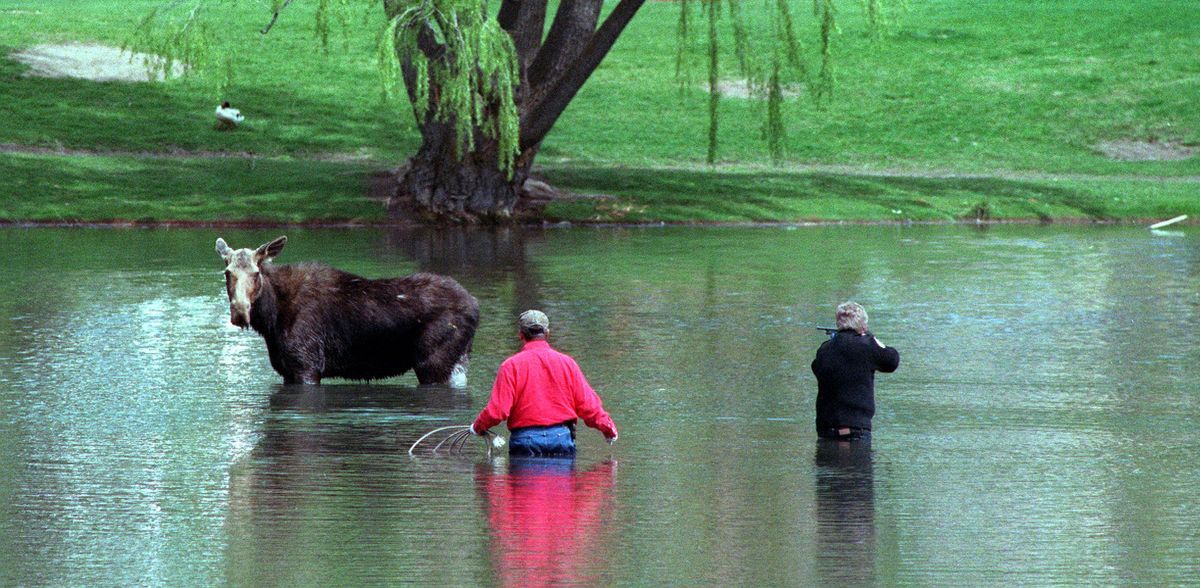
(966, 110)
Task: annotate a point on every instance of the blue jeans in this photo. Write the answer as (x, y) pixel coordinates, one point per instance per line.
(551, 441)
(522, 465)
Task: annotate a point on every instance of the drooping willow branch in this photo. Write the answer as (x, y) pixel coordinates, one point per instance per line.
(501, 81)
(460, 69)
(275, 17)
(769, 58)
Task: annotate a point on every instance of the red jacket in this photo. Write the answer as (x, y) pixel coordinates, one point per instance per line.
(540, 386)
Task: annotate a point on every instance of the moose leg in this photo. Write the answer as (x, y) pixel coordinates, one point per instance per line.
(441, 346)
(302, 364)
(294, 372)
(455, 376)
(306, 378)
(434, 369)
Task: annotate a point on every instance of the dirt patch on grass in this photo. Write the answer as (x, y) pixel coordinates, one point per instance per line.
(168, 152)
(362, 155)
(100, 63)
(1145, 150)
(742, 89)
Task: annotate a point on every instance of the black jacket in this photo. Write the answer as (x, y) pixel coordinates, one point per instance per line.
(845, 367)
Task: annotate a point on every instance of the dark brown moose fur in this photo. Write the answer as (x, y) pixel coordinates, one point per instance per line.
(322, 322)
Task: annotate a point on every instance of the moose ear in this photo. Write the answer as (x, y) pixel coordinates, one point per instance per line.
(223, 248)
(270, 250)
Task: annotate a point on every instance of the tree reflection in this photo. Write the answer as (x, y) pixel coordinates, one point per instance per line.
(479, 257)
(845, 505)
(329, 485)
(550, 524)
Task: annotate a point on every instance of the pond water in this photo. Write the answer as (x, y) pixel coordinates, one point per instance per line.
(1041, 428)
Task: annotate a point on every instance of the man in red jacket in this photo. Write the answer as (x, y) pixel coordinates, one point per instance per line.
(540, 392)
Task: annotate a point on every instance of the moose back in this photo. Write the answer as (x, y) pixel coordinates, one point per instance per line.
(322, 322)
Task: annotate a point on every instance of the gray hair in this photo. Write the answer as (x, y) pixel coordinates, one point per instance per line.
(851, 315)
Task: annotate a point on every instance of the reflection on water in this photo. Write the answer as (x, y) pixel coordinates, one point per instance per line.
(429, 399)
(329, 485)
(550, 524)
(845, 507)
(1041, 429)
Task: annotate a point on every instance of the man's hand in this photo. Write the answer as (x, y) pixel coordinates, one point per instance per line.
(473, 431)
(611, 440)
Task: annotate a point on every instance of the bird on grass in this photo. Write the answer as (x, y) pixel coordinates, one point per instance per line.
(228, 118)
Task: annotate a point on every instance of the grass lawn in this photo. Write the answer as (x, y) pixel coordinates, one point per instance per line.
(986, 109)
(648, 195)
(56, 188)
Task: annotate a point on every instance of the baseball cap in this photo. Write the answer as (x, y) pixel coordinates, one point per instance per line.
(534, 318)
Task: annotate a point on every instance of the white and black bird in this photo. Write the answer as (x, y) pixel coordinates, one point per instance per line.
(227, 117)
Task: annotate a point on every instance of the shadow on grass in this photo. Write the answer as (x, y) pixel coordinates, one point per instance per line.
(782, 196)
(93, 188)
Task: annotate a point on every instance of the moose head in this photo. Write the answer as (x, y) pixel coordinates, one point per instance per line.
(243, 276)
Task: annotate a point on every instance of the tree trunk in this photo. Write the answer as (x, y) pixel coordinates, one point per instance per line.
(441, 184)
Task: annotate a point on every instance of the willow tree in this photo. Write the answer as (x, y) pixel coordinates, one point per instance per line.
(485, 90)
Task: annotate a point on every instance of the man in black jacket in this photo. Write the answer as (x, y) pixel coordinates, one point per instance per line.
(845, 367)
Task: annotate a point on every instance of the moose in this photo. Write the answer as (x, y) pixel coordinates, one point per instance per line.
(322, 322)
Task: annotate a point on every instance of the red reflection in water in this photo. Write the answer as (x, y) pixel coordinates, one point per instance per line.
(550, 524)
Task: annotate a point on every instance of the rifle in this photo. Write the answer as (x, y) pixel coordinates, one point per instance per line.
(831, 331)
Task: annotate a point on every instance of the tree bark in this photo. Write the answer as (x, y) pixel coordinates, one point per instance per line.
(573, 24)
(538, 118)
(524, 20)
(441, 184)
